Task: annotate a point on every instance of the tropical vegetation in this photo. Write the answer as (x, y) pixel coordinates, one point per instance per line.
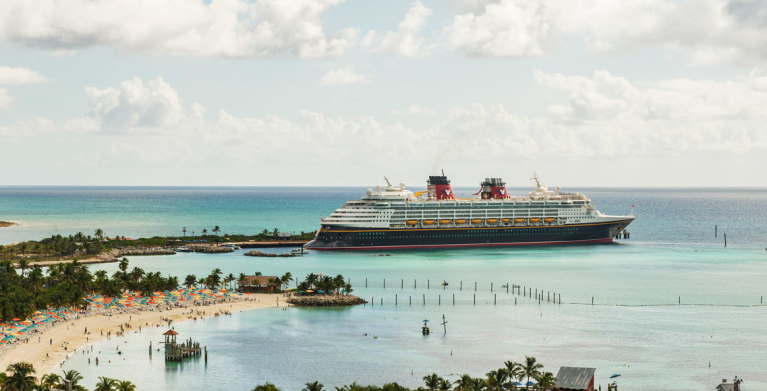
(21, 377)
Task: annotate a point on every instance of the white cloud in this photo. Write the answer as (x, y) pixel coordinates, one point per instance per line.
(136, 104)
(225, 28)
(406, 41)
(508, 28)
(599, 116)
(12, 75)
(5, 98)
(344, 76)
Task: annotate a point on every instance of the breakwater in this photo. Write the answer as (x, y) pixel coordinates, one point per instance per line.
(326, 300)
(256, 253)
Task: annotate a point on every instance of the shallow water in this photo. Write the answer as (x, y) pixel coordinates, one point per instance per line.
(636, 327)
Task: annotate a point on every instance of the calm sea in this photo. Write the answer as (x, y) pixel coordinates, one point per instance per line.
(636, 327)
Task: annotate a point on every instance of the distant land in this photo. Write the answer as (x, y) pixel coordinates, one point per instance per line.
(7, 223)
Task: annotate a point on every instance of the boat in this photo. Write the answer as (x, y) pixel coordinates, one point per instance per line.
(388, 217)
(232, 246)
(183, 249)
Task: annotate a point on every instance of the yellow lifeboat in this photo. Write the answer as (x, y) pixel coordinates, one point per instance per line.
(519, 220)
(411, 222)
(492, 221)
(548, 219)
(444, 221)
(505, 220)
(460, 221)
(534, 220)
(476, 221)
(428, 222)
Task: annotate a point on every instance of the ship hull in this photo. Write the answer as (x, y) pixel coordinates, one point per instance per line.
(347, 238)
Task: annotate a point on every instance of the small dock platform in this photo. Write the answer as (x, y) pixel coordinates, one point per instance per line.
(179, 351)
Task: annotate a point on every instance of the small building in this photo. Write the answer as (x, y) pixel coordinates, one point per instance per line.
(258, 284)
(734, 386)
(575, 379)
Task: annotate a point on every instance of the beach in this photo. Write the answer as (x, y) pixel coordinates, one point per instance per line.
(51, 347)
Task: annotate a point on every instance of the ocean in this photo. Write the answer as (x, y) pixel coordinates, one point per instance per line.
(673, 308)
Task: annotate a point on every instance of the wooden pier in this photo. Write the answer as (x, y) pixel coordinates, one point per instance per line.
(179, 351)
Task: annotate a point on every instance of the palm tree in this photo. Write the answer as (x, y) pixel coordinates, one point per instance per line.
(183, 229)
(125, 385)
(231, 278)
(22, 377)
(531, 368)
(463, 383)
(190, 281)
(266, 387)
(286, 279)
(49, 381)
(496, 379)
(432, 381)
(74, 377)
(546, 381)
(314, 386)
(105, 384)
(444, 385)
(514, 371)
(123, 265)
(204, 231)
(216, 230)
(99, 234)
(477, 384)
(23, 265)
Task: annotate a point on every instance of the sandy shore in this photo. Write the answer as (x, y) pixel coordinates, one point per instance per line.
(47, 349)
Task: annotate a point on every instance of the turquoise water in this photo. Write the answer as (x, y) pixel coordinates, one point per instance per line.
(636, 327)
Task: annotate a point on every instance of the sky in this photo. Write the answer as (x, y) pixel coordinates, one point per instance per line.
(646, 93)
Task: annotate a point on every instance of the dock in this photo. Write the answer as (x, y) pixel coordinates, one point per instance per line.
(179, 351)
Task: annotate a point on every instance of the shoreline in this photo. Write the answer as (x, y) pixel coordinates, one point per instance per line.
(51, 347)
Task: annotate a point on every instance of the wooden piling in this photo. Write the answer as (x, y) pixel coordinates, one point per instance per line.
(715, 230)
(366, 282)
(453, 298)
(461, 284)
(428, 283)
(411, 300)
(495, 298)
(415, 284)
(384, 283)
(424, 299)
(439, 299)
(402, 284)
(680, 301)
(475, 299)
(507, 288)
(382, 301)
(475, 286)
(491, 287)
(395, 299)
(515, 301)
(592, 300)
(725, 239)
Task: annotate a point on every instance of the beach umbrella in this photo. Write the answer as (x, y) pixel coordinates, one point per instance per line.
(16, 319)
(615, 375)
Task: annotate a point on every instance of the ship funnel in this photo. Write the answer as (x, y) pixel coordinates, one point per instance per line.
(494, 188)
(439, 187)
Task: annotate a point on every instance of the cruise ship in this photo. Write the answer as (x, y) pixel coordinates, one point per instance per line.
(393, 217)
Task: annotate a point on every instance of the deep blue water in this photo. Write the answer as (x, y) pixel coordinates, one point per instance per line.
(635, 327)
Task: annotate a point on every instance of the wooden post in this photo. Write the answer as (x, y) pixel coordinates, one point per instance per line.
(475, 286)
(592, 300)
(427, 284)
(715, 230)
(424, 299)
(395, 299)
(491, 287)
(680, 301)
(206, 355)
(382, 301)
(560, 298)
(411, 300)
(507, 287)
(372, 301)
(515, 301)
(495, 298)
(453, 298)
(384, 283)
(366, 282)
(439, 299)
(548, 296)
(475, 299)
(725, 239)
(461, 284)
(402, 284)
(415, 283)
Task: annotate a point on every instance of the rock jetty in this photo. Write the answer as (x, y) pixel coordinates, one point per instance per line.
(7, 223)
(325, 300)
(212, 249)
(256, 253)
(122, 252)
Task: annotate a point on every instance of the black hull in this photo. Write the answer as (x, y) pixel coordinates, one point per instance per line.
(346, 238)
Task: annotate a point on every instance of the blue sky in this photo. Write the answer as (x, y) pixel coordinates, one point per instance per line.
(248, 93)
